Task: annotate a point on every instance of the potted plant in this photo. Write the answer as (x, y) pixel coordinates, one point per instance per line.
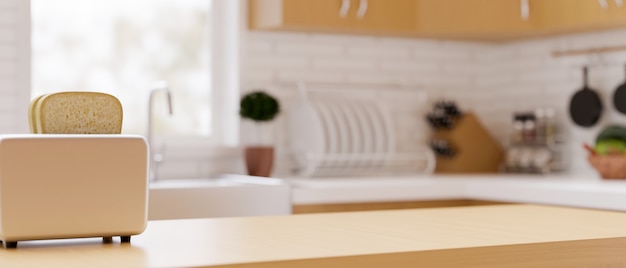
(261, 108)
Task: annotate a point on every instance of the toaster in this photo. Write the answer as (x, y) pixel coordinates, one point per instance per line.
(55, 186)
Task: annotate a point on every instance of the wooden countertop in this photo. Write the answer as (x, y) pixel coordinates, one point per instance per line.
(487, 236)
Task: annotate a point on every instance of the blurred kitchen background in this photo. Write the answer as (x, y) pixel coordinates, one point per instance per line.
(122, 47)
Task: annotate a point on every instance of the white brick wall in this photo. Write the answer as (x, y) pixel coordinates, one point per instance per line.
(536, 79)
(493, 80)
(277, 60)
(14, 65)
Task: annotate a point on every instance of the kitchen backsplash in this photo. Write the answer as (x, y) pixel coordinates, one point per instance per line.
(492, 80)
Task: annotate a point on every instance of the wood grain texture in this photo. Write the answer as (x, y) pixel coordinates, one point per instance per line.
(473, 17)
(316, 15)
(264, 13)
(590, 253)
(346, 207)
(480, 236)
(570, 15)
(382, 16)
(474, 20)
(469, 138)
(395, 17)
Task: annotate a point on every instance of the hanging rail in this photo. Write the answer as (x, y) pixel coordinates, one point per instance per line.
(597, 50)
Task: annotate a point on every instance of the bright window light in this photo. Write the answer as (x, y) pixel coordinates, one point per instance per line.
(122, 47)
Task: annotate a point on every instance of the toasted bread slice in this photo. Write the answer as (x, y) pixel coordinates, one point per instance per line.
(32, 122)
(78, 113)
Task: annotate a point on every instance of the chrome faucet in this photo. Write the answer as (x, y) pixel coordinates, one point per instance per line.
(156, 158)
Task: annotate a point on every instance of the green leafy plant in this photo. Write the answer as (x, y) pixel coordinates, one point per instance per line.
(259, 106)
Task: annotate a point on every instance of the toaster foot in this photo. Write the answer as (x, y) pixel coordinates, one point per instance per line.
(107, 239)
(10, 244)
(125, 238)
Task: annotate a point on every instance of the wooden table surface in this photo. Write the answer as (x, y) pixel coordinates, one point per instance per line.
(486, 236)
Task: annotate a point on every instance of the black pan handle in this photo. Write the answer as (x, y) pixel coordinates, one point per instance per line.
(585, 77)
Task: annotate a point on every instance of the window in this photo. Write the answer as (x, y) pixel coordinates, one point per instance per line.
(122, 47)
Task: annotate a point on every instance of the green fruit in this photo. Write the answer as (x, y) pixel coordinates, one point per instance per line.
(610, 146)
(612, 133)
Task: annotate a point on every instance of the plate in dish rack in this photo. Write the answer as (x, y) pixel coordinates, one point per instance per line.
(356, 132)
(356, 139)
(378, 131)
(364, 126)
(306, 132)
(330, 131)
(343, 132)
(390, 131)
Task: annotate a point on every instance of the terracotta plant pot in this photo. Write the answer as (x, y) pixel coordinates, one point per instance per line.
(259, 160)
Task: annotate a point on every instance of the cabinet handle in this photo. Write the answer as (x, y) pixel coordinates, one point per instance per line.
(345, 7)
(363, 5)
(525, 9)
(619, 3)
(603, 4)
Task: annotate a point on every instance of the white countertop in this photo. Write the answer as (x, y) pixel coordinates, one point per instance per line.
(585, 192)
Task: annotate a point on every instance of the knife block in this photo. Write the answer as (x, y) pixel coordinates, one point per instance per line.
(476, 150)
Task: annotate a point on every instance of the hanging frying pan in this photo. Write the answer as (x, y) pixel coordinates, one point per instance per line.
(619, 98)
(585, 107)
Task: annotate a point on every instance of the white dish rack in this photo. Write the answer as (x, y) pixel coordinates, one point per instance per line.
(336, 135)
(325, 165)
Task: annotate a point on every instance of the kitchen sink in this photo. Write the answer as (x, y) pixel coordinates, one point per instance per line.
(221, 196)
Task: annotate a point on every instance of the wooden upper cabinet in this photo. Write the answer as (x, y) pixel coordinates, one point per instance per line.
(385, 16)
(358, 16)
(556, 16)
(482, 20)
(303, 15)
(617, 14)
(487, 19)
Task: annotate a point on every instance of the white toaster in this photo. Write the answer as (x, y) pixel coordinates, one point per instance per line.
(72, 186)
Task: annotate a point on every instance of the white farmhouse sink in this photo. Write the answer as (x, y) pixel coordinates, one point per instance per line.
(223, 196)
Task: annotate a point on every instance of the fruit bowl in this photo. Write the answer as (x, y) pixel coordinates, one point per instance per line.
(609, 166)
(608, 155)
